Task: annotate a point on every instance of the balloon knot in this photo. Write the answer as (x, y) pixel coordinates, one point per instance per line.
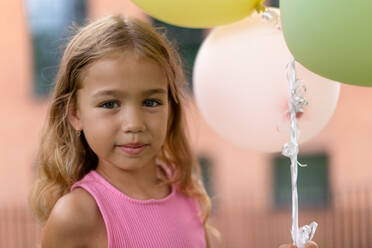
(260, 7)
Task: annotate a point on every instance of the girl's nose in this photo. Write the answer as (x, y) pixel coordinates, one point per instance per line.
(133, 121)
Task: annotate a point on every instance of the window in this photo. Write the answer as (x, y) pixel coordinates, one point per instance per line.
(312, 182)
(48, 24)
(273, 3)
(187, 42)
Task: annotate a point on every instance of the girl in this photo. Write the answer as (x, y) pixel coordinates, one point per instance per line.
(115, 165)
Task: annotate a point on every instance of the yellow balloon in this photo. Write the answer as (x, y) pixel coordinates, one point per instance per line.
(199, 13)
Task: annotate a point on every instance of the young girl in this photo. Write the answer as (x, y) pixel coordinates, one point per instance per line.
(115, 165)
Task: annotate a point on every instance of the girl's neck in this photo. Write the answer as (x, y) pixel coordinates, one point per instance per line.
(142, 184)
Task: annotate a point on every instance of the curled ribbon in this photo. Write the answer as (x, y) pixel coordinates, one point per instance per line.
(272, 17)
(296, 103)
(306, 233)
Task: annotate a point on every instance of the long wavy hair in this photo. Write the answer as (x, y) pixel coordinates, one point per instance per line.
(65, 157)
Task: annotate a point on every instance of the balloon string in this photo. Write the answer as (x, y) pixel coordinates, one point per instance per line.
(296, 103)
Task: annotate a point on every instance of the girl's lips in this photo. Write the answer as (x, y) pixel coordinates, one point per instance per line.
(133, 150)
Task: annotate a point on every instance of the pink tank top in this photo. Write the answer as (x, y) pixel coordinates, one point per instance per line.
(171, 222)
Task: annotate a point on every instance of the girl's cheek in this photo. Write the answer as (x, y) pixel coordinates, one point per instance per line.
(102, 125)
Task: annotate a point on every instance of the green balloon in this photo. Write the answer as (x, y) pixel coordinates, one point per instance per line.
(332, 38)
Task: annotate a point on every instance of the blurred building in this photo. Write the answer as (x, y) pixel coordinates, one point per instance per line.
(250, 190)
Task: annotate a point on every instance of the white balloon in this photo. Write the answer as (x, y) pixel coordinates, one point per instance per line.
(241, 88)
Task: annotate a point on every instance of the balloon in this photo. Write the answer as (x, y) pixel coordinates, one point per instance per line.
(241, 88)
(332, 38)
(199, 14)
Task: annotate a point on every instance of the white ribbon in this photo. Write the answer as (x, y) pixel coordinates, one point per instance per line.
(296, 103)
(272, 17)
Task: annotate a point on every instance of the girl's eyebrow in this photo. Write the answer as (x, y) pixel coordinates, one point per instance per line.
(118, 93)
(155, 91)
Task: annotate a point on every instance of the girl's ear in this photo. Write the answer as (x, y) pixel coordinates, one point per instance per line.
(73, 117)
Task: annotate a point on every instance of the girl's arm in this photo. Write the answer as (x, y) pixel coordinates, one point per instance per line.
(72, 222)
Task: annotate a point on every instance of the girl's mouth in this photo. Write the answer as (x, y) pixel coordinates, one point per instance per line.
(133, 150)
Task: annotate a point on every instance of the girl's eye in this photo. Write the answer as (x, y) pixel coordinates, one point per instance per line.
(109, 105)
(151, 103)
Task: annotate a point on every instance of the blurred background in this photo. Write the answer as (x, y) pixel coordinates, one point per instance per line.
(250, 191)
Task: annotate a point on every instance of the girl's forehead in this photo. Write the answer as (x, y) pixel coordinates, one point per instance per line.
(124, 72)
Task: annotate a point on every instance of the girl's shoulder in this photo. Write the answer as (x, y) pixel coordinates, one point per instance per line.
(73, 221)
(79, 204)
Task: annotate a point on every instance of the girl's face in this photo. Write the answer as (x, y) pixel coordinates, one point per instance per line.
(123, 101)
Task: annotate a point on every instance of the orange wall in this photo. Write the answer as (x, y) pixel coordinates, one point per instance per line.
(20, 114)
(239, 175)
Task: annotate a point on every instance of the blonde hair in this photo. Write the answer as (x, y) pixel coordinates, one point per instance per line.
(64, 157)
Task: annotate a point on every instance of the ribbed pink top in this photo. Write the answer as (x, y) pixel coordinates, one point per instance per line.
(130, 223)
